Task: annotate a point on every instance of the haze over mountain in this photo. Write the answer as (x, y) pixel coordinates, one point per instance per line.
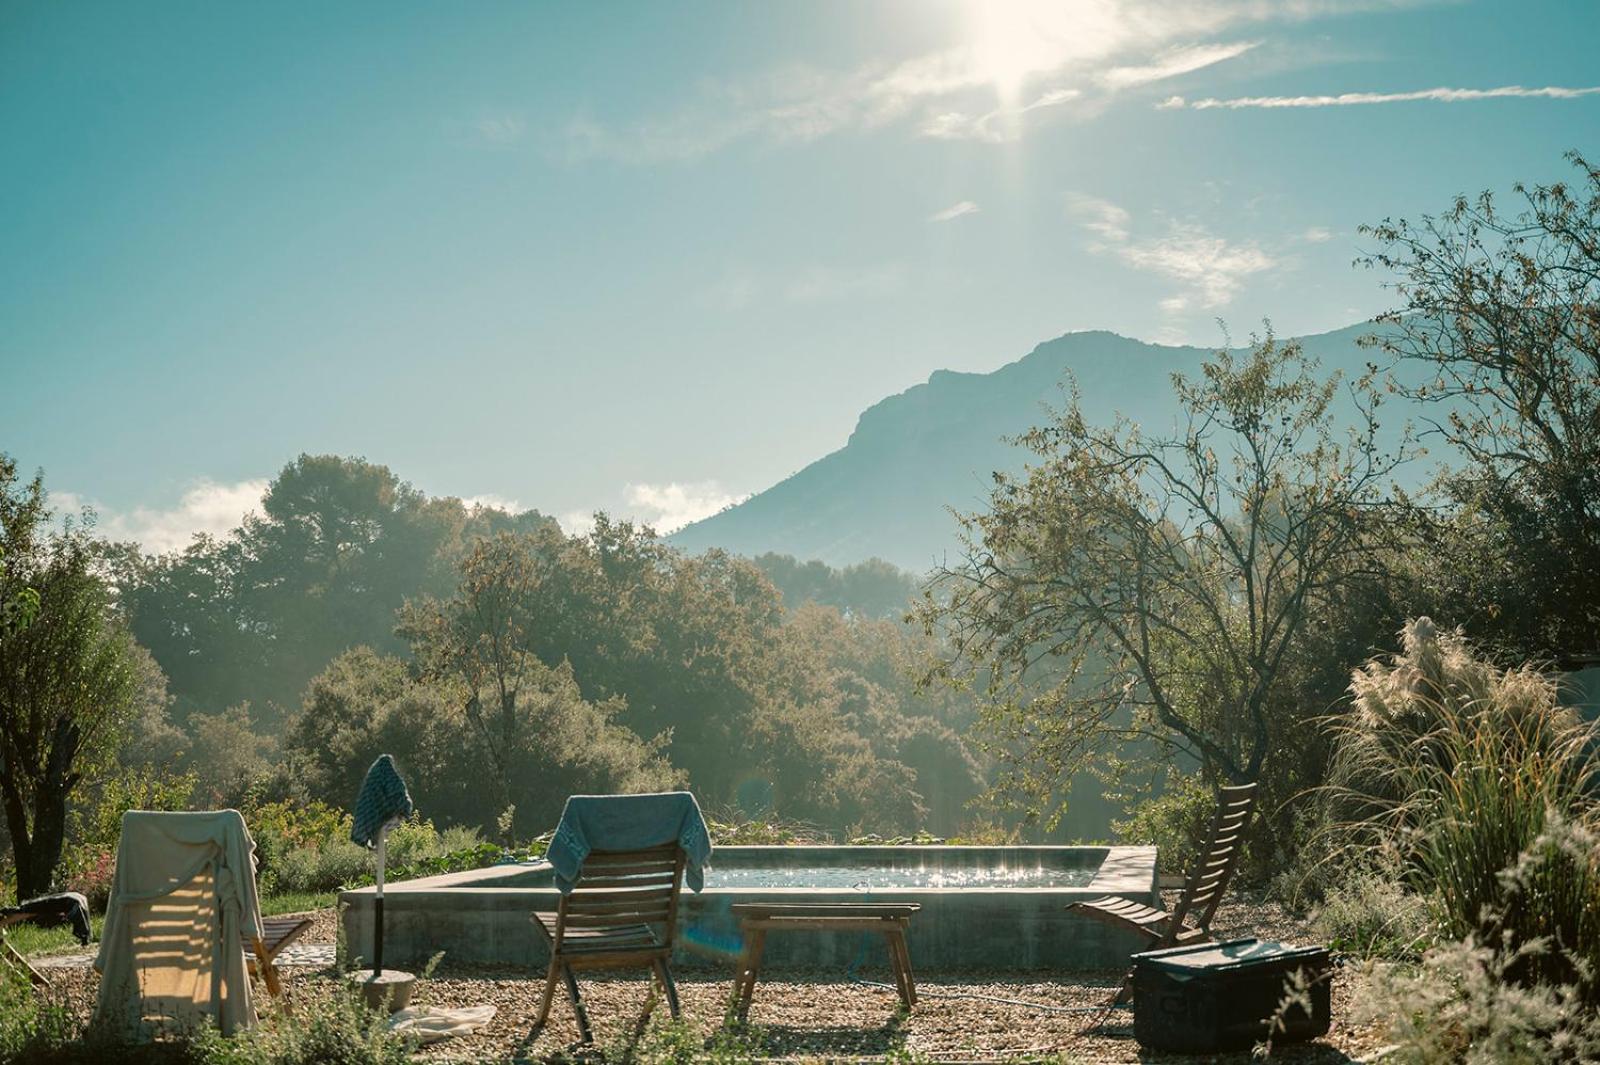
(887, 493)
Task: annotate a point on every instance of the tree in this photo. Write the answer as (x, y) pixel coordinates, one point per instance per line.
(68, 681)
(365, 703)
(1503, 313)
(480, 637)
(338, 547)
(1130, 589)
(18, 602)
(873, 589)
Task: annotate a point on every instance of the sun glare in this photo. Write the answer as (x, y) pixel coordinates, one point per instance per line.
(1013, 39)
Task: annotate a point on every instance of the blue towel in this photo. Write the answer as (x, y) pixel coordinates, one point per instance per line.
(625, 823)
(383, 799)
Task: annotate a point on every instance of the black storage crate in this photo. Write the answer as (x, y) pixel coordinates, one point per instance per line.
(1223, 996)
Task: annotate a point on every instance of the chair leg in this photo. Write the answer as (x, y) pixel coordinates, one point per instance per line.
(269, 974)
(17, 958)
(549, 995)
(1124, 992)
(577, 1004)
(664, 974)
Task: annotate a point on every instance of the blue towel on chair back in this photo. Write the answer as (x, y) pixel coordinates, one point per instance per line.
(626, 823)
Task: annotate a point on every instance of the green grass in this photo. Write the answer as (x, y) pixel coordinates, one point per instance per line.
(32, 940)
(297, 902)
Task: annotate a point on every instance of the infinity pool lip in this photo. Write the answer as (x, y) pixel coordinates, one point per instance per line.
(482, 915)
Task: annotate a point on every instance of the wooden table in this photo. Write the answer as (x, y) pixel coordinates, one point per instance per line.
(756, 919)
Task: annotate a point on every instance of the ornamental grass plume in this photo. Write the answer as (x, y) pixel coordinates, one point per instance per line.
(1478, 788)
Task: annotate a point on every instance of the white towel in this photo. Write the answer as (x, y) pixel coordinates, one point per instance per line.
(433, 1023)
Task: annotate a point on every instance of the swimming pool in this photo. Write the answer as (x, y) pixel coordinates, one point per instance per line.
(982, 907)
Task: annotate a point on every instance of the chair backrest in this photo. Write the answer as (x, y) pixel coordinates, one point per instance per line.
(618, 889)
(1202, 891)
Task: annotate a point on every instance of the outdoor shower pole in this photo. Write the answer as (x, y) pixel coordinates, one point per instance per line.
(377, 906)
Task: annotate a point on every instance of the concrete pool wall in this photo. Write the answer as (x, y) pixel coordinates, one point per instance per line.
(482, 916)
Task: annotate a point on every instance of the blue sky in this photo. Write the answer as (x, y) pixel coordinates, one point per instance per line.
(652, 257)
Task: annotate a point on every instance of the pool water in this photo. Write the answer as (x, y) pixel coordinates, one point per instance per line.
(873, 877)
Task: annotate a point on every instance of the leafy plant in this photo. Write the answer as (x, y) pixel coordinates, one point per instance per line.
(1374, 916)
(335, 1029)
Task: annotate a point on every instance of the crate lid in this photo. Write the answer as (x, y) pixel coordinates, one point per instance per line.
(1221, 957)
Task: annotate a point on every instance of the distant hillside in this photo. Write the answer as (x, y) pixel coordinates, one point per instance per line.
(885, 493)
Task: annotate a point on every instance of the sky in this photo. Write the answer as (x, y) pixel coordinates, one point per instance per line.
(651, 258)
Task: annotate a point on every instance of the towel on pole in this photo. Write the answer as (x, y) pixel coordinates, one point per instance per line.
(383, 799)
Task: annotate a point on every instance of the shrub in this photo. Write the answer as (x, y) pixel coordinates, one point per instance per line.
(338, 1029)
(97, 823)
(90, 871)
(1175, 821)
(1375, 917)
(417, 841)
(1478, 786)
(30, 1030)
(1462, 1006)
(734, 831)
(316, 869)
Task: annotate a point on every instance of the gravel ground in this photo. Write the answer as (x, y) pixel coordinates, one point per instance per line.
(802, 1015)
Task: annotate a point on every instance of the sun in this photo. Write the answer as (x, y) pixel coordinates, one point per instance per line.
(1011, 40)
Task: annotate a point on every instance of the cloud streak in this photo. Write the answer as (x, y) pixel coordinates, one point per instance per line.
(1011, 61)
(954, 211)
(1362, 99)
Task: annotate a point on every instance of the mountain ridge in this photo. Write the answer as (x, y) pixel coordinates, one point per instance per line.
(935, 445)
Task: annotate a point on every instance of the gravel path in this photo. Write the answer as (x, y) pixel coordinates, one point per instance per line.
(817, 1016)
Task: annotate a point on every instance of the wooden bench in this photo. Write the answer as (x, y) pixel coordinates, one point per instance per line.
(756, 919)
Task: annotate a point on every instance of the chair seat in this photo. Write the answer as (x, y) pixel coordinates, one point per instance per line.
(278, 932)
(1127, 911)
(597, 940)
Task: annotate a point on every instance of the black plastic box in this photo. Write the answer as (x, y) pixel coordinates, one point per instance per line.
(1213, 997)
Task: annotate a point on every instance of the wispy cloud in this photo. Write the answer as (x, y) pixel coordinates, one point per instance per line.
(954, 211)
(995, 126)
(1098, 216)
(1358, 99)
(1317, 235)
(1171, 63)
(1012, 60)
(1210, 268)
(206, 506)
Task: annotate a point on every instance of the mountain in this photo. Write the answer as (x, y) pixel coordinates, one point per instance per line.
(885, 494)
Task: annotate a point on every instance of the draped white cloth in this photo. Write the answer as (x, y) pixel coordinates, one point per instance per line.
(170, 951)
(430, 1024)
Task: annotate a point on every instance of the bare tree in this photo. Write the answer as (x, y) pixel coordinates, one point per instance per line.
(1130, 587)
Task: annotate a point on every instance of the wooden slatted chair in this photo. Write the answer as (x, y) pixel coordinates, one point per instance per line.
(1190, 921)
(621, 915)
(261, 955)
(12, 956)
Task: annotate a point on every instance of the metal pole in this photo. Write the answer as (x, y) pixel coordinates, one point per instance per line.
(377, 909)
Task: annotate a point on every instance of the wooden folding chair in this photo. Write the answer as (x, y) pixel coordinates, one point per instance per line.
(11, 955)
(621, 915)
(1190, 922)
(261, 955)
